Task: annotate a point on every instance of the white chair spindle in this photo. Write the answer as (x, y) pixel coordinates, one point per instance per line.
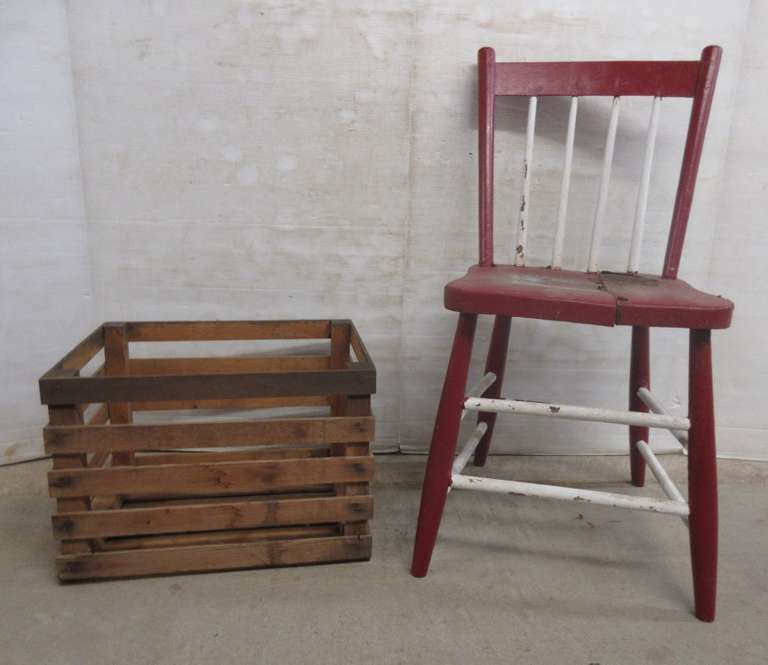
(633, 265)
(522, 228)
(602, 199)
(565, 186)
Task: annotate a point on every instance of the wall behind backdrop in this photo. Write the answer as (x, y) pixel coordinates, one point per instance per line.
(194, 160)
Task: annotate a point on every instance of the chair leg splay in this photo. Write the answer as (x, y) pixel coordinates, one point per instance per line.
(444, 438)
(702, 475)
(443, 473)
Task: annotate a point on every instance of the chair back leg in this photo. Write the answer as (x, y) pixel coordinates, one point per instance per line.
(639, 377)
(702, 475)
(496, 362)
(437, 478)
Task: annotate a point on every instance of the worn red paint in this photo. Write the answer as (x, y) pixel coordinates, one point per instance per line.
(639, 377)
(604, 299)
(610, 79)
(702, 475)
(694, 144)
(641, 301)
(437, 479)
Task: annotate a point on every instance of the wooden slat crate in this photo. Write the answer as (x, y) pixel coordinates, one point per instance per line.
(191, 494)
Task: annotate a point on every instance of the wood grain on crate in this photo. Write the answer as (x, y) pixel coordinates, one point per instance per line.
(173, 331)
(190, 559)
(149, 366)
(208, 404)
(233, 514)
(146, 499)
(202, 479)
(95, 438)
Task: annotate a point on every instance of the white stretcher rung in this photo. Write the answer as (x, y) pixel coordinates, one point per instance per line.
(636, 418)
(483, 384)
(480, 387)
(469, 447)
(661, 475)
(647, 398)
(517, 488)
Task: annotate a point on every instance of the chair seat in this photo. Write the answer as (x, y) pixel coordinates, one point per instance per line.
(604, 299)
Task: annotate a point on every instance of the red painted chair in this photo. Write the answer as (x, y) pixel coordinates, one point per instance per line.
(591, 297)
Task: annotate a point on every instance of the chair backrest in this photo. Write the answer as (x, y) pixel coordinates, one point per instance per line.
(657, 79)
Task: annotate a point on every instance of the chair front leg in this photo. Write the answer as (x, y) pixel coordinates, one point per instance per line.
(496, 362)
(702, 475)
(639, 377)
(437, 478)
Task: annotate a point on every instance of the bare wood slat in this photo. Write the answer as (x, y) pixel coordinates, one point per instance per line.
(198, 457)
(79, 357)
(315, 492)
(97, 438)
(209, 517)
(361, 352)
(116, 363)
(70, 415)
(227, 365)
(355, 405)
(175, 331)
(230, 404)
(221, 478)
(217, 537)
(213, 557)
(340, 339)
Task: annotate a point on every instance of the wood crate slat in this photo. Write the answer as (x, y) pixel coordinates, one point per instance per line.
(116, 362)
(232, 404)
(354, 405)
(317, 492)
(217, 478)
(209, 517)
(99, 438)
(76, 390)
(172, 560)
(79, 357)
(221, 537)
(175, 331)
(199, 457)
(226, 365)
(203, 494)
(70, 415)
(358, 346)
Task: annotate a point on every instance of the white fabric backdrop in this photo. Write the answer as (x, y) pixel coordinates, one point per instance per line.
(280, 160)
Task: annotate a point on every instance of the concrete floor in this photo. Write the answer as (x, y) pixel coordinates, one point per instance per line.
(512, 581)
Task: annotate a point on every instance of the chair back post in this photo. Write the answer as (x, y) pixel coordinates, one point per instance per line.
(486, 65)
(697, 128)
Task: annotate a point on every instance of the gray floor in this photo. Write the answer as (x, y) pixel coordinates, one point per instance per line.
(512, 581)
